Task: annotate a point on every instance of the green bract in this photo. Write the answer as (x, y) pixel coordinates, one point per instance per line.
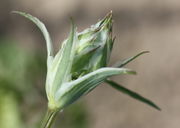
(93, 48)
(81, 64)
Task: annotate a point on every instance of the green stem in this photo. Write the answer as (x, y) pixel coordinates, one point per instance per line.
(49, 118)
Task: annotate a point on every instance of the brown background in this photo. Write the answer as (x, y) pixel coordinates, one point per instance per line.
(139, 25)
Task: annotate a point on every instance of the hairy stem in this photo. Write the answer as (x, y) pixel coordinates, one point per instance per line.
(49, 118)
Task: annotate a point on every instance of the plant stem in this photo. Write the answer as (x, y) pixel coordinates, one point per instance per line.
(49, 118)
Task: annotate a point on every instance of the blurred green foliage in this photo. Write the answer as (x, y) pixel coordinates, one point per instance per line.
(18, 70)
(9, 112)
(22, 93)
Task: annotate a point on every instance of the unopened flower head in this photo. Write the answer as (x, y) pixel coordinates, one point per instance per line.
(93, 48)
(81, 63)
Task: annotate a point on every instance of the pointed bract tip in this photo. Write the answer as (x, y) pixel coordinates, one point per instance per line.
(18, 12)
(145, 52)
(109, 15)
(73, 27)
(72, 21)
(133, 73)
(14, 12)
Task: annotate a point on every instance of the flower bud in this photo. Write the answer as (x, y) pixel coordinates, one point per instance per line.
(94, 48)
(81, 63)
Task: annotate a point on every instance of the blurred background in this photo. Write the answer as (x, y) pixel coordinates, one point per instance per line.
(138, 25)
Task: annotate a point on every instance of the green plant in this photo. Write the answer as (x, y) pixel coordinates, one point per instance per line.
(81, 65)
